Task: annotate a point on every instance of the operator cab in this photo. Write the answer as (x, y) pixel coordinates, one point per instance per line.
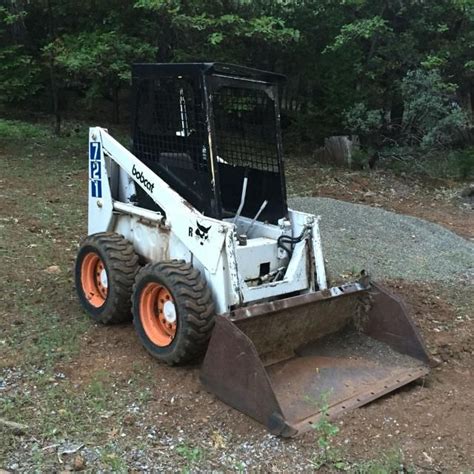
(209, 130)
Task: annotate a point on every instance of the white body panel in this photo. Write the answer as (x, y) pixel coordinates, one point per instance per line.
(232, 271)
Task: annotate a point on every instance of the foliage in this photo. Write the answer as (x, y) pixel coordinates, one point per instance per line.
(189, 453)
(431, 120)
(394, 72)
(330, 457)
(18, 74)
(361, 159)
(327, 455)
(431, 114)
(362, 121)
(18, 69)
(218, 30)
(365, 28)
(464, 160)
(97, 61)
(192, 455)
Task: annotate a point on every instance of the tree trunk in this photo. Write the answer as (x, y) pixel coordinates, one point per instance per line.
(338, 150)
(55, 98)
(52, 75)
(18, 27)
(116, 104)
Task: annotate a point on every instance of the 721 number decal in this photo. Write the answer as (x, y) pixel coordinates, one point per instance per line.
(95, 171)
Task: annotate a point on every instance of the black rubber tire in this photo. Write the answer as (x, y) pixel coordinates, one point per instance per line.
(121, 264)
(194, 309)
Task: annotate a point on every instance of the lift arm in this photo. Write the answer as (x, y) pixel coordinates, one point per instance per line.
(203, 236)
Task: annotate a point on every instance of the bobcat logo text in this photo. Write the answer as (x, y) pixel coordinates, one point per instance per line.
(141, 179)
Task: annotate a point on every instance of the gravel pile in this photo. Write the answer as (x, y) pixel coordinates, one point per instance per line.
(387, 245)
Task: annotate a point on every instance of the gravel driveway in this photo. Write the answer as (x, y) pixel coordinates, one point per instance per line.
(387, 245)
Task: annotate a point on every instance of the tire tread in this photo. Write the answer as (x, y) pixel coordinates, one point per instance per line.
(122, 267)
(195, 307)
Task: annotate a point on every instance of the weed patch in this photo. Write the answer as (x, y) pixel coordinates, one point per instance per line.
(327, 455)
(191, 454)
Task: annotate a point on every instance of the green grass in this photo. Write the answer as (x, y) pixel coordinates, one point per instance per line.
(387, 463)
(41, 132)
(191, 454)
(55, 410)
(113, 461)
(52, 340)
(17, 130)
(328, 456)
(40, 136)
(325, 432)
(43, 217)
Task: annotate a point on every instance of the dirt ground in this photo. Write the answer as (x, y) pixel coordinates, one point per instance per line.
(431, 421)
(89, 397)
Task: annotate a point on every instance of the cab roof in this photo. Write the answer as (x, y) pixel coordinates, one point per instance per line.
(205, 68)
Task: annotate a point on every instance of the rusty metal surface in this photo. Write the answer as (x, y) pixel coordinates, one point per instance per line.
(271, 307)
(388, 321)
(278, 366)
(344, 368)
(278, 328)
(233, 371)
(378, 389)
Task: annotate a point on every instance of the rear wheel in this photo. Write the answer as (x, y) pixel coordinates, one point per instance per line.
(106, 266)
(173, 311)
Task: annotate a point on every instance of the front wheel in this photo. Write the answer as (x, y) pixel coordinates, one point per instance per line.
(173, 312)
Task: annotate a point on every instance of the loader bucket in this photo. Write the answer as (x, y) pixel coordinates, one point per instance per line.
(277, 361)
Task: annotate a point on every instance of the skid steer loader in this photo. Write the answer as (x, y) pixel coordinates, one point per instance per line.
(191, 233)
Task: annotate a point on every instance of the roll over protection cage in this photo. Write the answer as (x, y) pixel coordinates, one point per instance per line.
(204, 128)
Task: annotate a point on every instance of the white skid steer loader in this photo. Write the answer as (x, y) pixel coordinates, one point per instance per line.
(191, 234)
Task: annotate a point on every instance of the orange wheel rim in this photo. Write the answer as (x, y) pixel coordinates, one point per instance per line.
(158, 314)
(94, 279)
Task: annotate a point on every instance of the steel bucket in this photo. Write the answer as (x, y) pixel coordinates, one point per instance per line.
(278, 361)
